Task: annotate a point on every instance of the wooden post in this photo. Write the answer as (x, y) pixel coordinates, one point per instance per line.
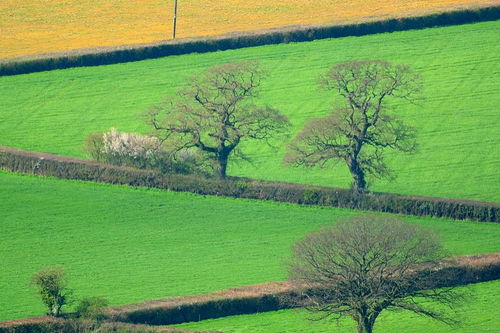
(175, 18)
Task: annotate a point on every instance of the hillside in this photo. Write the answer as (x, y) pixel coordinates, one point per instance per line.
(133, 244)
(33, 27)
(138, 246)
(456, 120)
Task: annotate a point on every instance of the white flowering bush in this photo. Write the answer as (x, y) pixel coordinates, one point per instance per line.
(129, 145)
(121, 148)
(140, 151)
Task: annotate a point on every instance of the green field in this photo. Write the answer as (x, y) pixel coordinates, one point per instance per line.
(457, 123)
(133, 244)
(480, 314)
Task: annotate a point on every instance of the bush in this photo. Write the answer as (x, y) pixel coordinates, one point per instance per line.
(94, 146)
(120, 148)
(92, 308)
(140, 151)
(52, 287)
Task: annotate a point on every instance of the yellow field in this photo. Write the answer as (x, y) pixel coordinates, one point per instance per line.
(35, 26)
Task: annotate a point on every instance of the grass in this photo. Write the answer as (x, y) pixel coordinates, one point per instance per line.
(134, 244)
(33, 27)
(480, 314)
(457, 123)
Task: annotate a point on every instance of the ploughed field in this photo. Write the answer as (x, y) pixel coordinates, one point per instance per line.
(133, 244)
(33, 27)
(457, 119)
(480, 314)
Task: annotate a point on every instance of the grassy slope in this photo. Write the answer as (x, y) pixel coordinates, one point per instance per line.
(130, 244)
(32, 27)
(480, 314)
(457, 123)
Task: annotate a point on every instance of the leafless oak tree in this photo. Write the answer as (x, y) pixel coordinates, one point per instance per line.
(360, 267)
(359, 132)
(217, 112)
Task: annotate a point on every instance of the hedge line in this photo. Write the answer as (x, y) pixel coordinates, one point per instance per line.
(242, 300)
(61, 325)
(71, 168)
(203, 310)
(113, 55)
(270, 296)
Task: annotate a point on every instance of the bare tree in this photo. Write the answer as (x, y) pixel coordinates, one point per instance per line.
(217, 112)
(359, 132)
(360, 267)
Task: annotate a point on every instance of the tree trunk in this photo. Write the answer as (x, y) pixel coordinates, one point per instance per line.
(365, 326)
(358, 175)
(223, 165)
(56, 309)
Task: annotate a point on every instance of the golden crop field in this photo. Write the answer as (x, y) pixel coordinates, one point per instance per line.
(33, 26)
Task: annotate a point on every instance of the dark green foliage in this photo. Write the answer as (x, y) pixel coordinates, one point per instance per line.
(46, 325)
(105, 56)
(71, 168)
(59, 325)
(202, 310)
(92, 308)
(52, 288)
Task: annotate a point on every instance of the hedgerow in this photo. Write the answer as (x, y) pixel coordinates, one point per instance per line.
(241, 300)
(71, 168)
(60, 325)
(274, 295)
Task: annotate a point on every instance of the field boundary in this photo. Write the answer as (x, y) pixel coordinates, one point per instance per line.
(302, 33)
(270, 296)
(48, 324)
(72, 168)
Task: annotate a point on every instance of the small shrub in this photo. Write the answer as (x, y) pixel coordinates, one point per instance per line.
(94, 146)
(92, 308)
(52, 287)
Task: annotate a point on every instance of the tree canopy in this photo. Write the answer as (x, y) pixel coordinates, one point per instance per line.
(51, 285)
(363, 266)
(216, 112)
(363, 128)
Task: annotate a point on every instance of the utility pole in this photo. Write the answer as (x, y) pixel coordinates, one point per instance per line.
(175, 17)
